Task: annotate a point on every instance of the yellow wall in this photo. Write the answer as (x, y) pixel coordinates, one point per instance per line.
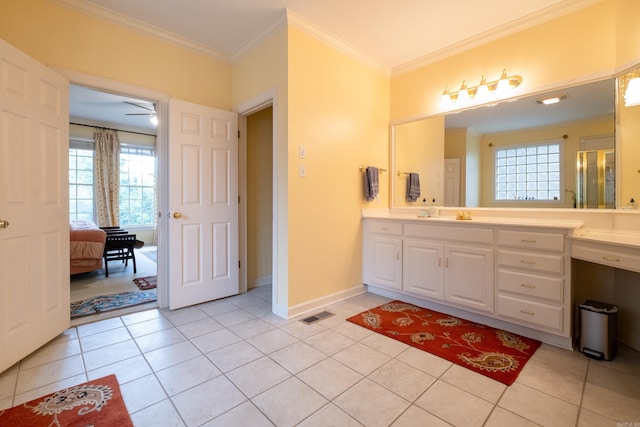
(60, 37)
(259, 196)
(338, 110)
(579, 44)
(419, 149)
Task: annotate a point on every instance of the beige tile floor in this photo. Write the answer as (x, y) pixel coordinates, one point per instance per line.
(233, 363)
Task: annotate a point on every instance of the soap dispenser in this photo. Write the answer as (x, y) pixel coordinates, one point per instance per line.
(425, 210)
(433, 209)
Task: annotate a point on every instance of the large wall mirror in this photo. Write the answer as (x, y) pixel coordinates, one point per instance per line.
(522, 153)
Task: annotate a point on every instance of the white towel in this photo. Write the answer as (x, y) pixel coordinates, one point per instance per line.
(371, 184)
(413, 187)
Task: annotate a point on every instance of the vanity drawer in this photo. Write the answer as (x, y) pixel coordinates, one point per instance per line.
(604, 256)
(531, 285)
(531, 261)
(450, 233)
(385, 227)
(539, 314)
(531, 240)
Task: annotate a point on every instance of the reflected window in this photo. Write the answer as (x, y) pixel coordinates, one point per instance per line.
(528, 172)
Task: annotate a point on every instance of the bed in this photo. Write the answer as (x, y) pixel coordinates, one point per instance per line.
(86, 246)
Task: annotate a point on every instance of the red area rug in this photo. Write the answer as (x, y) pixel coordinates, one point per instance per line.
(94, 403)
(144, 283)
(498, 354)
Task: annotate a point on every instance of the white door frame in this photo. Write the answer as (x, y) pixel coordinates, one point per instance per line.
(279, 287)
(162, 147)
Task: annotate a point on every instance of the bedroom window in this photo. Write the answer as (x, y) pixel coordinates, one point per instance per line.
(137, 186)
(528, 172)
(137, 197)
(81, 181)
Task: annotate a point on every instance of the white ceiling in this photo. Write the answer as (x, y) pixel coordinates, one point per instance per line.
(392, 35)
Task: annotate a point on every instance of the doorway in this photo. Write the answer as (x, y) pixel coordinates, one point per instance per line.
(259, 197)
(130, 116)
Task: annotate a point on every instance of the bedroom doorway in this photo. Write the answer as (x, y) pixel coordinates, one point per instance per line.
(93, 294)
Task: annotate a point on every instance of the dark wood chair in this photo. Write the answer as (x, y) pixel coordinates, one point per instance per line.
(119, 247)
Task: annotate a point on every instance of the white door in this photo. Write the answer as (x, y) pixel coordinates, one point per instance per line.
(452, 182)
(203, 203)
(34, 232)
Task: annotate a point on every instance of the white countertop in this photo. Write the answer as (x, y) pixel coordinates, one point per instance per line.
(613, 237)
(478, 220)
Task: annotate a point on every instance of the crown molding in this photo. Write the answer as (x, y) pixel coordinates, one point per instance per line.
(531, 20)
(138, 26)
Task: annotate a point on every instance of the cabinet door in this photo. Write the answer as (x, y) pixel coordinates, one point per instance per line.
(423, 268)
(469, 276)
(385, 263)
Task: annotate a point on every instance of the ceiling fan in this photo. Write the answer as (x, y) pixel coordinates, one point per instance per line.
(151, 112)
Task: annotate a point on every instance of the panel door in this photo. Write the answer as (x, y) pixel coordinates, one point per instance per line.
(34, 186)
(423, 270)
(386, 262)
(203, 198)
(469, 276)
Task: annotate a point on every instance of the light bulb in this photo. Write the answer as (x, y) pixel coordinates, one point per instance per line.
(632, 93)
(463, 94)
(482, 92)
(503, 84)
(445, 99)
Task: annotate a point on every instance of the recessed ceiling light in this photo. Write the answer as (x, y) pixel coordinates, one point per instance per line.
(552, 99)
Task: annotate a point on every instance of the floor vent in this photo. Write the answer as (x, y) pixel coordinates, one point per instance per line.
(316, 317)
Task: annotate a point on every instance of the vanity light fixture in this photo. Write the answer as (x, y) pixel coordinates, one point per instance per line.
(483, 91)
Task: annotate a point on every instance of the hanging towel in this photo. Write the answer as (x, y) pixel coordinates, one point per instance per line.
(413, 187)
(371, 184)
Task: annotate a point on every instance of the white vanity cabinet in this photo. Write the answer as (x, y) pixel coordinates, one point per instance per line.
(382, 248)
(511, 276)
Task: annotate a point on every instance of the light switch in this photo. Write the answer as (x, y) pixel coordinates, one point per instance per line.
(302, 170)
(302, 151)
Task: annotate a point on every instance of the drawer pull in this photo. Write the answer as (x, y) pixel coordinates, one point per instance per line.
(609, 258)
(528, 285)
(526, 261)
(527, 312)
(384, 228)
(528, 240)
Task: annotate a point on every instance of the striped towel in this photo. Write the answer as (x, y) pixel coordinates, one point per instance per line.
(413, 187)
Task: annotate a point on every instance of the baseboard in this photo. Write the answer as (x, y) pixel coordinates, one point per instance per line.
(324, 301)
(260, 281)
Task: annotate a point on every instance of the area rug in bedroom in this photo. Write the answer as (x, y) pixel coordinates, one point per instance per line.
(94, 403)
(145, 283)
(495, 353)
(110, 302)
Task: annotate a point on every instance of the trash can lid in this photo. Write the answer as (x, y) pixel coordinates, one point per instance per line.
(599, 307)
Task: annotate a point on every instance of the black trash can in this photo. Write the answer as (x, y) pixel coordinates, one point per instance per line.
(598, 330)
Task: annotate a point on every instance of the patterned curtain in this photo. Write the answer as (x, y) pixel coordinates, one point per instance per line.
(106, 169)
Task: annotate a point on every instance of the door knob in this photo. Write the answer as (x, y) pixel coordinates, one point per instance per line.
(4, 223)
(177, 215)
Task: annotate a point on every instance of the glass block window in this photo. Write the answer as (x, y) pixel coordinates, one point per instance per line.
(528, 172)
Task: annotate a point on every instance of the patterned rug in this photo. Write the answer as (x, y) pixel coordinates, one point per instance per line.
(145, 283)
(94, 403)
(110, 302)
(498, 354)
